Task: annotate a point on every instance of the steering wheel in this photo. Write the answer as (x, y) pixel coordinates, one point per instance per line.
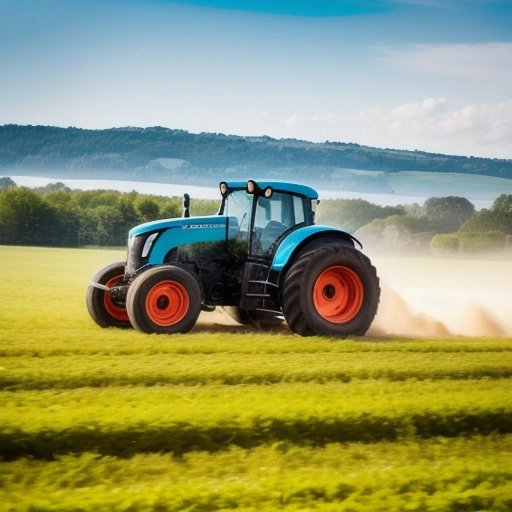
(271, 232)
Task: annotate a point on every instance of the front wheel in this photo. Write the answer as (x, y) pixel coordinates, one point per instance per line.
(164, 300)
(108, 308)
(331, 291)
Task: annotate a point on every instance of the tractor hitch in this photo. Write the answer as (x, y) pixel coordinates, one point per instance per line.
(100, 286)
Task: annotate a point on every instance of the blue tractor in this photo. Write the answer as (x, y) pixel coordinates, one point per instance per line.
(262, 255)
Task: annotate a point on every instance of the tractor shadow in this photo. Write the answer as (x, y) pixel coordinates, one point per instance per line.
(219, 321)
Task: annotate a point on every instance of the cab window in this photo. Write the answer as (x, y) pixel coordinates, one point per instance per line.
(273, 217)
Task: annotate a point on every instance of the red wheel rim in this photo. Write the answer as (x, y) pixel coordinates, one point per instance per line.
(167, 303)
(116, 312)
(338, 294)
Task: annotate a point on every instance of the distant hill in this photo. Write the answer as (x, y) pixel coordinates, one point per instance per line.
(163, 154)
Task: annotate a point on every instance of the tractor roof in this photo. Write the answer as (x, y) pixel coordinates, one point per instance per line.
(278, 186)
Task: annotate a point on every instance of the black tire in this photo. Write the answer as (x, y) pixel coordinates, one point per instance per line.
(164, 300)
(106, 308)
(322, 241)
(259, 319)
(331, 291)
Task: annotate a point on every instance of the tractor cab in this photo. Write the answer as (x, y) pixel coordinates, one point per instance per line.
(259, 215)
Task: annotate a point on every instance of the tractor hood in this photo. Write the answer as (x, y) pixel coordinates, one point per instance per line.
(149, 243)
(206, 222)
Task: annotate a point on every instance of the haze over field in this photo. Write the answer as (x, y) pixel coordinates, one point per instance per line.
(483, 197)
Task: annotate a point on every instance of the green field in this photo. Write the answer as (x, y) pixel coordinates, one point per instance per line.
(228, 418)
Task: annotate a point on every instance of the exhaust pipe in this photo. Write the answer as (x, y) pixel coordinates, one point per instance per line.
(186, 206)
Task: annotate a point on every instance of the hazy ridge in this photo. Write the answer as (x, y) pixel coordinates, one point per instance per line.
(163, 154)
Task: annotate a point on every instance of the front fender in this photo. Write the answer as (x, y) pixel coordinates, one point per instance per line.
(299, 238)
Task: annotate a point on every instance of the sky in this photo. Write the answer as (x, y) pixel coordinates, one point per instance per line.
(430, 75)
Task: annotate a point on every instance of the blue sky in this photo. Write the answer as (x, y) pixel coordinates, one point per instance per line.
(414, 74)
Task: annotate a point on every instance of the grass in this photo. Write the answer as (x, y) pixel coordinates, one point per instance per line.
(474, 474)
(225, 417)
(123, 420)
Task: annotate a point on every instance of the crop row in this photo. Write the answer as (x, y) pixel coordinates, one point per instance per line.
(433, 475)
(61, 372)
(89, 340)
(124, 421)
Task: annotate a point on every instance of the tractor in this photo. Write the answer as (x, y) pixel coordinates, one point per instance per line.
(262, 257)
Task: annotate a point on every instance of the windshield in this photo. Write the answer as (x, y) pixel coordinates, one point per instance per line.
(238, 210)
(238, 205)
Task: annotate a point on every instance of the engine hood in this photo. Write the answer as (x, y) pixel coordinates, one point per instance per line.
(206, 222)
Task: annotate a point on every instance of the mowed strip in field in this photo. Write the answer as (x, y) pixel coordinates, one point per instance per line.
(55, 372)
(226, 417)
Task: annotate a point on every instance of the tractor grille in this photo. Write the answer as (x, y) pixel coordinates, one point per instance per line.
(135, 259)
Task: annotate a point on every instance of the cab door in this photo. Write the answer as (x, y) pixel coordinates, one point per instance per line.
(274, 217)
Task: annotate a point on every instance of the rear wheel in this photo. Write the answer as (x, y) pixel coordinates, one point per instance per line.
(164, 300)
(108, 308)
(331, 291)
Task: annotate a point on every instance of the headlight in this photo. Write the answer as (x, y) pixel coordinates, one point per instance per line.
(147, 246)
(251, 187)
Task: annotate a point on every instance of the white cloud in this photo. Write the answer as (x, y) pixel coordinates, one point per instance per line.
(291, 121)
(486, 61)
(439, 125)
(436, 124)
(261, 115)
(323, 118)
(420, 109)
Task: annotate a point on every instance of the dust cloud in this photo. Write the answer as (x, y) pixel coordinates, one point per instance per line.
(481, 322)
(395, 316)
(435, 297)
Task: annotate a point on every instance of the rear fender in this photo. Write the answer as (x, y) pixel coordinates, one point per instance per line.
(299, 238)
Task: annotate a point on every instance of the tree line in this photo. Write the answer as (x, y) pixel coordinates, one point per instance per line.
(437, 214)
(445, 224)
(56, 216)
